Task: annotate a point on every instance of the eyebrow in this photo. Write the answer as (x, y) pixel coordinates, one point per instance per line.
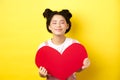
(56, 20)
(62, 20)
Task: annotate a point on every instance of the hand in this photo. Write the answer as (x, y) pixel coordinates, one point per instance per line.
(42, 71)
(86, 63)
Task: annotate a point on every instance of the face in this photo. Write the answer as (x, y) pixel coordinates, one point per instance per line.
(58, 25)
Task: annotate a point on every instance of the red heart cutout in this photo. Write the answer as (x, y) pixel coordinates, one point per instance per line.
(61, 65)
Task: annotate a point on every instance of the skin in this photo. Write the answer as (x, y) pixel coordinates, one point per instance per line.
(58, 26)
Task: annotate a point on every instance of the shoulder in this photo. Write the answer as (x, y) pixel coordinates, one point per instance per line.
(45, 43)
(41, 45)
(72, 40)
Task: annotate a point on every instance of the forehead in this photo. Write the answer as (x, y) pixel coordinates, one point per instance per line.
(57, 17)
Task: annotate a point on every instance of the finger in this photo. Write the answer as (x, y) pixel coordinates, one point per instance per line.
(86, 61)
(41, 70)
(44, 70)
(40, 67)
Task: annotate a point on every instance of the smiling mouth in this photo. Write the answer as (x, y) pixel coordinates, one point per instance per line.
(58, 29)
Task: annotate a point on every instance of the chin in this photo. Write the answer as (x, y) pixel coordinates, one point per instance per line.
(59, 34)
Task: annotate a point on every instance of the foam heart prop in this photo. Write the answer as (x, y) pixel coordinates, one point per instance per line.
(61, 65)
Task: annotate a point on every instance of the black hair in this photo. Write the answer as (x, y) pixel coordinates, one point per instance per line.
(48, 14)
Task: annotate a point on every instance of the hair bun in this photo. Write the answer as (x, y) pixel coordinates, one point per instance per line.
(67, 13)
(47, 13)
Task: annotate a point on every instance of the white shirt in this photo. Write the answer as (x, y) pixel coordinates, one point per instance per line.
(60, 48)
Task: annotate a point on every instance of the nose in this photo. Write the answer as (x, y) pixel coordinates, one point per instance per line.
(58, 25)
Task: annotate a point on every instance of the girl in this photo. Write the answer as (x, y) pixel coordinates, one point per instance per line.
(58, 23)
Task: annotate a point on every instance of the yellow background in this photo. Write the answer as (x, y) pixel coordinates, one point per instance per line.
(95, 23)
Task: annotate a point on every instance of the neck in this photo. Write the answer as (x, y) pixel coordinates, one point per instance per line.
(58, 39)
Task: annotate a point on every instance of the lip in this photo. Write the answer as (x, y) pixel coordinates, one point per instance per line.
(58, 29)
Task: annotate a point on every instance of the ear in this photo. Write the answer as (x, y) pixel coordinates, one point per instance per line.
(67, 26)
(49, 27)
